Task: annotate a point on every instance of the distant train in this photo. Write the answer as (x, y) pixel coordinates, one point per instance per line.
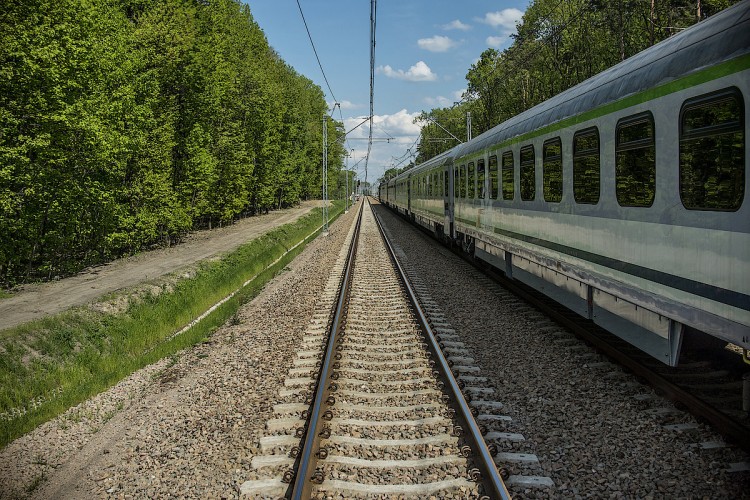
(622, 198)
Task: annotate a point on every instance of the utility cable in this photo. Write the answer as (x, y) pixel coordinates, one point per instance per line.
(316, 52)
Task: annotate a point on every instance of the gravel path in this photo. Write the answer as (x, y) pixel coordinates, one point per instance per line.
(597, 431)
(37, 300)
(188, 425)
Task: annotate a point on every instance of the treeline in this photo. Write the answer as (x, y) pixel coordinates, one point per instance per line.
(126, 123)
(558, 45)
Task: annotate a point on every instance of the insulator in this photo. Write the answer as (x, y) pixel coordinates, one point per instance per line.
(465, 451)
(493, 449)
(335, 375)
(458, 430)
(294, 451)
(299, 432)
(333, 387)
(305, 414)
(325, 433)
(322, 453)
(330, 401)
(461, 384)
(328, 415)
(288, 476)
(474, 411)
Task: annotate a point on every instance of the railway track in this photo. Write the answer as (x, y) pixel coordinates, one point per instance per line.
(372, 408)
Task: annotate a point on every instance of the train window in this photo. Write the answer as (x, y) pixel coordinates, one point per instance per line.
(586, 166)
(445, 182)
(552, 171)
(462, 182)
(528, 178)
(508, 175)
(712, 151)
(471, 180)
(493, 177)
(635, 161)
(456, 171)
(480, 180)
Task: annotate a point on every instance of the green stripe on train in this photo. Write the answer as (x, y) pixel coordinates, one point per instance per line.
(724, 69)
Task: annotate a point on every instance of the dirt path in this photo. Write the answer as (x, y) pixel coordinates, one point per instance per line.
(38, 300)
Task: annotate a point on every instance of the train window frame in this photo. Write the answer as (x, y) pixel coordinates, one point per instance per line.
(579, 155)
(481, 176)
(715, 130)
(512, 183)
(462, 183)
(493, 175)
(625, 149)
(456, 180)
(523, 166)
(471, 181)
(548, 160)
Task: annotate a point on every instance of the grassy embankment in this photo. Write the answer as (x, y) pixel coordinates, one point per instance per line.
(52, 364)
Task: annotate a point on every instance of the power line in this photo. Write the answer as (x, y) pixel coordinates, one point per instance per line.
(316, 54)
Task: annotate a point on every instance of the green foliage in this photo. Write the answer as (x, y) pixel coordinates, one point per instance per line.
(125, 123)
(49, 365)
(558, 45)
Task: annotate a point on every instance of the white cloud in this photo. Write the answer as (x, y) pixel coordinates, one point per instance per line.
(437, 43)
(344, 105)
(456, 25)
(420, 72)
(444, 102)
(495, 41)
(399, 125)
(504, 20)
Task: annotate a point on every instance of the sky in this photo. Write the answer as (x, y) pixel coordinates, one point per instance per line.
(423, 51)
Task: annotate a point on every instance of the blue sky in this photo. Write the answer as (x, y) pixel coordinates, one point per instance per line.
(423, 52)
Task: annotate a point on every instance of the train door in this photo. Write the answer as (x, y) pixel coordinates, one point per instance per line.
(447, 199)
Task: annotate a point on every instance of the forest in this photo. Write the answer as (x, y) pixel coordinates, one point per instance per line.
(558, 44)
(126, 123)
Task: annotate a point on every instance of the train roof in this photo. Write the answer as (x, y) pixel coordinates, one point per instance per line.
(722, 37)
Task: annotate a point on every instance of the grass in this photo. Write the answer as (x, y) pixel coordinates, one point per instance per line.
(5, 294)
(52, 364)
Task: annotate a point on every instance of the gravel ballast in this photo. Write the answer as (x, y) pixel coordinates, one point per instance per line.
(586, 420)
(188, 425)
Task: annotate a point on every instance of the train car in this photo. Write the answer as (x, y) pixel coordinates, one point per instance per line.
(429, 186)
(623, 197)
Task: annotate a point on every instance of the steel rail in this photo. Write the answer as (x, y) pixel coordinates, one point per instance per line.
(494, 485)
(307, 460)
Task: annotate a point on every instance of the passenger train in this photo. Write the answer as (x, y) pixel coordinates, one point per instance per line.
(623, 198)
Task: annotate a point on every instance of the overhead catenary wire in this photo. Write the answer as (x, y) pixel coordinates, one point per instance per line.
(304, 21)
